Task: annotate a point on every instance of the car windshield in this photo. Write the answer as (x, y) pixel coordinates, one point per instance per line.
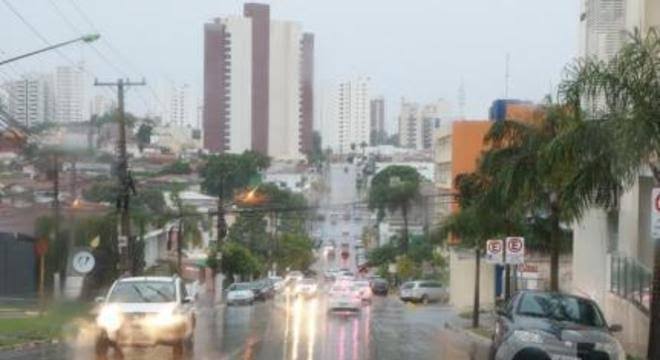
(143, 292)
(241, 286)
(561, 308)
(309, 282)
(408, 286)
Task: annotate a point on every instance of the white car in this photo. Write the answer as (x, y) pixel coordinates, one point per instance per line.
(364, 288)
(240, 293)
(344, 296)
(423, 291)
(306, 288)
(294, 277)
(278, 283)
(145, 311)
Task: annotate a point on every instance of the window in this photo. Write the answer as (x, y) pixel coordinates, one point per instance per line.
(143, 291)
(561, 308)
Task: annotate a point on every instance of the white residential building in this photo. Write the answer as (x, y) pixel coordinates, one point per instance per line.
(31, 99)
(285, 90)
(610, 245)
(70, 94)
(258, 85)
(417, 123)
(101, 104)
(347, 115)
(181, 111)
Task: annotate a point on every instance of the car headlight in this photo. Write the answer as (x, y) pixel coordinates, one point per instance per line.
(613, 349)
(166, 317)
(528, 337)
(109, 318)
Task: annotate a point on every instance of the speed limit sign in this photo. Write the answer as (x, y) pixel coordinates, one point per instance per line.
(83, 262)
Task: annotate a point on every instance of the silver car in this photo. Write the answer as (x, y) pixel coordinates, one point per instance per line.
(548, 325)
(423, 291)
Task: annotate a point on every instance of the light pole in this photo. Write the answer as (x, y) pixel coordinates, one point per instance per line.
(89, 38)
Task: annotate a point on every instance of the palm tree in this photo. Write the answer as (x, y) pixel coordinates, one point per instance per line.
(623, 95)
(545, 169)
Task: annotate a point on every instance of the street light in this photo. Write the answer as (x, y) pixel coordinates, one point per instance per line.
(89, 38)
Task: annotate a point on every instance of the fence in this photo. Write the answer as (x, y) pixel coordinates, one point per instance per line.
(631, 280)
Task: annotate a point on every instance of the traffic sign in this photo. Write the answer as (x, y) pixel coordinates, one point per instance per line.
(41, 247)
(83, 262)
(494, 251)
(515, 250)
(655, 213)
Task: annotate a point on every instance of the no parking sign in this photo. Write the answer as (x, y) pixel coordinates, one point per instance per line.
(515, 250)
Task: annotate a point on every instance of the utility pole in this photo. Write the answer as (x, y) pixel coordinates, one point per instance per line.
(56, 207)
(125, 242)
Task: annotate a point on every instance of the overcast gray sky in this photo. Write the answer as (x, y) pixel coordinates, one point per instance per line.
(419, 49)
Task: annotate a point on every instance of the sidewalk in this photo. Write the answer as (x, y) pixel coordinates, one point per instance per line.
(461, 342)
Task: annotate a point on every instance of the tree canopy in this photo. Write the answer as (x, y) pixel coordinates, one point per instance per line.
(223, 175)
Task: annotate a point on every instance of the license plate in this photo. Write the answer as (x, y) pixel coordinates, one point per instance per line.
(564, 357)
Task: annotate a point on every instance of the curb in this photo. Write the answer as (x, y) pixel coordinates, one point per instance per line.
(474, 337)
(28, 345)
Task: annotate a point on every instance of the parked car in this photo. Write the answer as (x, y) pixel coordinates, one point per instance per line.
(344, 296)
(293, 277)
(549, 325)
(145, 311)
(365, 290)
(306, 288)
(240, 293)
(423, 291)
(379, 287)
(278, 283)
(263, 290)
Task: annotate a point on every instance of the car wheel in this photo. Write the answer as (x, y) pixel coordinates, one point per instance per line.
(425, 299)
(101, 346)
(177, 349)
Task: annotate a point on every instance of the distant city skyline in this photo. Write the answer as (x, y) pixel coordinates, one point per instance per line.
(419, 51)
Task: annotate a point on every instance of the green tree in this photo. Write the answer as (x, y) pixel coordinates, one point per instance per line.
(224, 174)
(395, 188)
(623, 95)
(533, 166)
(179, 167)
(294, 251)
(143, 135)
(238, 260)
(383, 255)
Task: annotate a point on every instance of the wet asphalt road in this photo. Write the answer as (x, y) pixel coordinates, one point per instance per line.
(287, 328)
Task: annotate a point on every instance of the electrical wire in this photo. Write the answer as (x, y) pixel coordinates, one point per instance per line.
(119, 55)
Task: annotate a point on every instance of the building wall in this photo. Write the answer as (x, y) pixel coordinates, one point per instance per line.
(467, 145)
(377, 115)
(215, 108)
(69, 94)
(285, 91)
(353, 113)
(461, 281)
(602, 23)
(260, 15)
(307, 93)
(31, 100)
(409, 128)
(239, 105)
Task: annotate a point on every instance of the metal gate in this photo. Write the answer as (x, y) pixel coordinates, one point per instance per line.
(18, 268)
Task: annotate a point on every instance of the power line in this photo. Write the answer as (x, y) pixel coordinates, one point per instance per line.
(120, 56)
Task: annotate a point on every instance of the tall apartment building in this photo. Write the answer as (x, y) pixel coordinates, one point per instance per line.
(258, 85)
(101, 104)
(31, 100)
(604, 238)
(70, 94)
(602, 28)
(351, 114)
(181, 109)
(377, 123)
(417, 123)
